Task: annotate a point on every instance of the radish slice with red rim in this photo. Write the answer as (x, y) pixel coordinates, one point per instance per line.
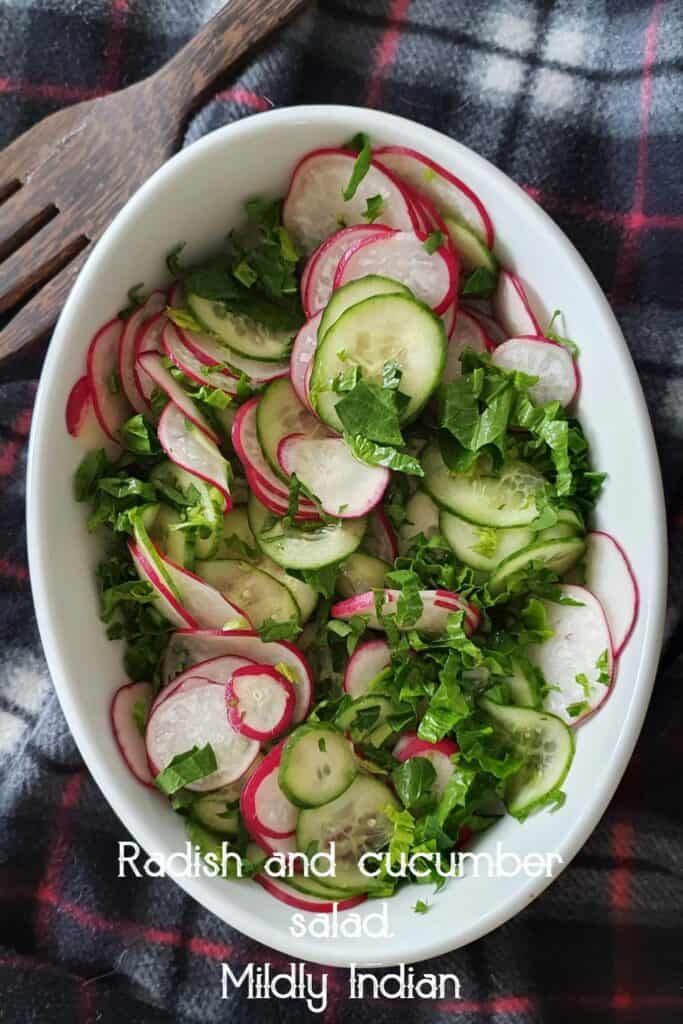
(128, 737)
(450, 319)
(468, 333)
(380, 537)
(195, 716)
(449, 193)
(345, 487)
(204, 604)
(301, 359)
(211, 352)
(576, 661)
(304, 901)
(165, 600)
(512, 307)
(318, 278)
(438, 754)
(192, 450)
(260, 702)
(218, 670)
(78, 405)
(265, 808)
(610, 577)
(437, 605)
(364, 665)
(432, 277)
(495, 335)
(112, 408)
(190, 646)
(153, 305)
(553, 364)
(192, 367)
(151, 364)
(315, 205)
(148, 340)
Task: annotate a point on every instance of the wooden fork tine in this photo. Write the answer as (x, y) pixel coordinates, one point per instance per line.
(20, 217)
(37, 260)
(37, 318)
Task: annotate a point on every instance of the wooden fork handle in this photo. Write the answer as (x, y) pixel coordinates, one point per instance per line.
(238, 27)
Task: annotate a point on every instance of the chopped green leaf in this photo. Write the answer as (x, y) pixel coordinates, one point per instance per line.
(421, 907)
(432, 242)
(360, 144)
(373, 208)
(372, 411)
(190, 766)
(481, 283)
(272, 629)
(383, 455)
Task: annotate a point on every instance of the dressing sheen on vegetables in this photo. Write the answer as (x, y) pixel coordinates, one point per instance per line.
(346, 526)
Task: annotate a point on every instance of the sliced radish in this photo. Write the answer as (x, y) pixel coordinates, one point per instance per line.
(205, 605)
(175, 295)
(194, 717)
(610, 577)
(315, 205)
(260, 702)
(380, 537)
(112, 408)
(151, 363)
(265, 808)
(218, 670)
(78, 405)
(128, 737)
(271, 844)
(580, 642)
(148, 340)
(468, 333)
(190, 646)
(553, 364)
(365, 664)
(304, 901)
(512, 309)
(449, 319)
(495, 334)
(345, 487)
(211, 352)
(450, 194)
(301, 359)
(437, 606)
(154, 304)
(431, 277)
(438, 754)
(318, 277)
(192, 450)
(186, 361)
(165, 600)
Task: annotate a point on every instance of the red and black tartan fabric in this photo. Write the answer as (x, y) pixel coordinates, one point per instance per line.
(580, 102)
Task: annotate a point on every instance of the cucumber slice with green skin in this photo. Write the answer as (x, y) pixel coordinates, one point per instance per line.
(305, 597)
(557, 555)
(422, 516)
(317, 765)
(482, 547)
(259, 595)
(356, 291)
(151, 553)
(177, 544)
(278, 414)
(211, 501)
(501, 501)
(214, 812)
(547, 745)
(356, 822)
(236, 536)
(298, 547)
(315, 887)
(470, 247)
(524, 687)
(366, 719)
(379, 329)
(361, 573)
(245, 336)
(558, 531)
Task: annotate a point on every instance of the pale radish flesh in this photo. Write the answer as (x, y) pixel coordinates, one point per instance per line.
(208, 608)
(164, 599)
(317, 282)
(365, 664)
(315, 206)
(432, 277)
(438, 754)
(194, 717)
(148, 340)
(265, 808)
(494, 332)
(135, 323)
(512, 308)
(190, 449)
(380, 537)
(437, 605)
(301, 359)
(466, 334)
(218, 670)
(450, 194)
(112, 408)
(577, 660)
(152, 364)
(558, 376)
(211, 352)
(178, 352)
(188, 647)
(610, 577)
(344, 486)
(260, 702)
(128, 737)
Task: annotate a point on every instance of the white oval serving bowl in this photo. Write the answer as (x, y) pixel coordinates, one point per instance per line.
(196, 198)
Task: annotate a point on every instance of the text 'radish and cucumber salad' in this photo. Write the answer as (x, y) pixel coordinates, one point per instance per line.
(348, 508)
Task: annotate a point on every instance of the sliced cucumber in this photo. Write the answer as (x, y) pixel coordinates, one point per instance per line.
(168, 475)
(557, 555)
(177, 544)
(240, 333)
(148, 549)
(305, 546)
(357, 823)
(317, 765)
(236, 540)
(356, 291)
(305, 597)
(360, 573)
(259, 595)
(545, 743)
(482, 547)
(225, 418)
(278, 414)
(366, 719)
(422, 517)
(214, 811)
(523, 687)
(471, 249)
(485, 500)
(316, 887)
(371, 333)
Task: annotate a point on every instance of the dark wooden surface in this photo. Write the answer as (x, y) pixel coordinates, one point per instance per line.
(63, 181)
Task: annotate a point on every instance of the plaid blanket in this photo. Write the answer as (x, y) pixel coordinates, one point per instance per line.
(580, 102)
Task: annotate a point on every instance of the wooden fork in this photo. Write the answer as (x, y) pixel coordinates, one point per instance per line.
(64, 180)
